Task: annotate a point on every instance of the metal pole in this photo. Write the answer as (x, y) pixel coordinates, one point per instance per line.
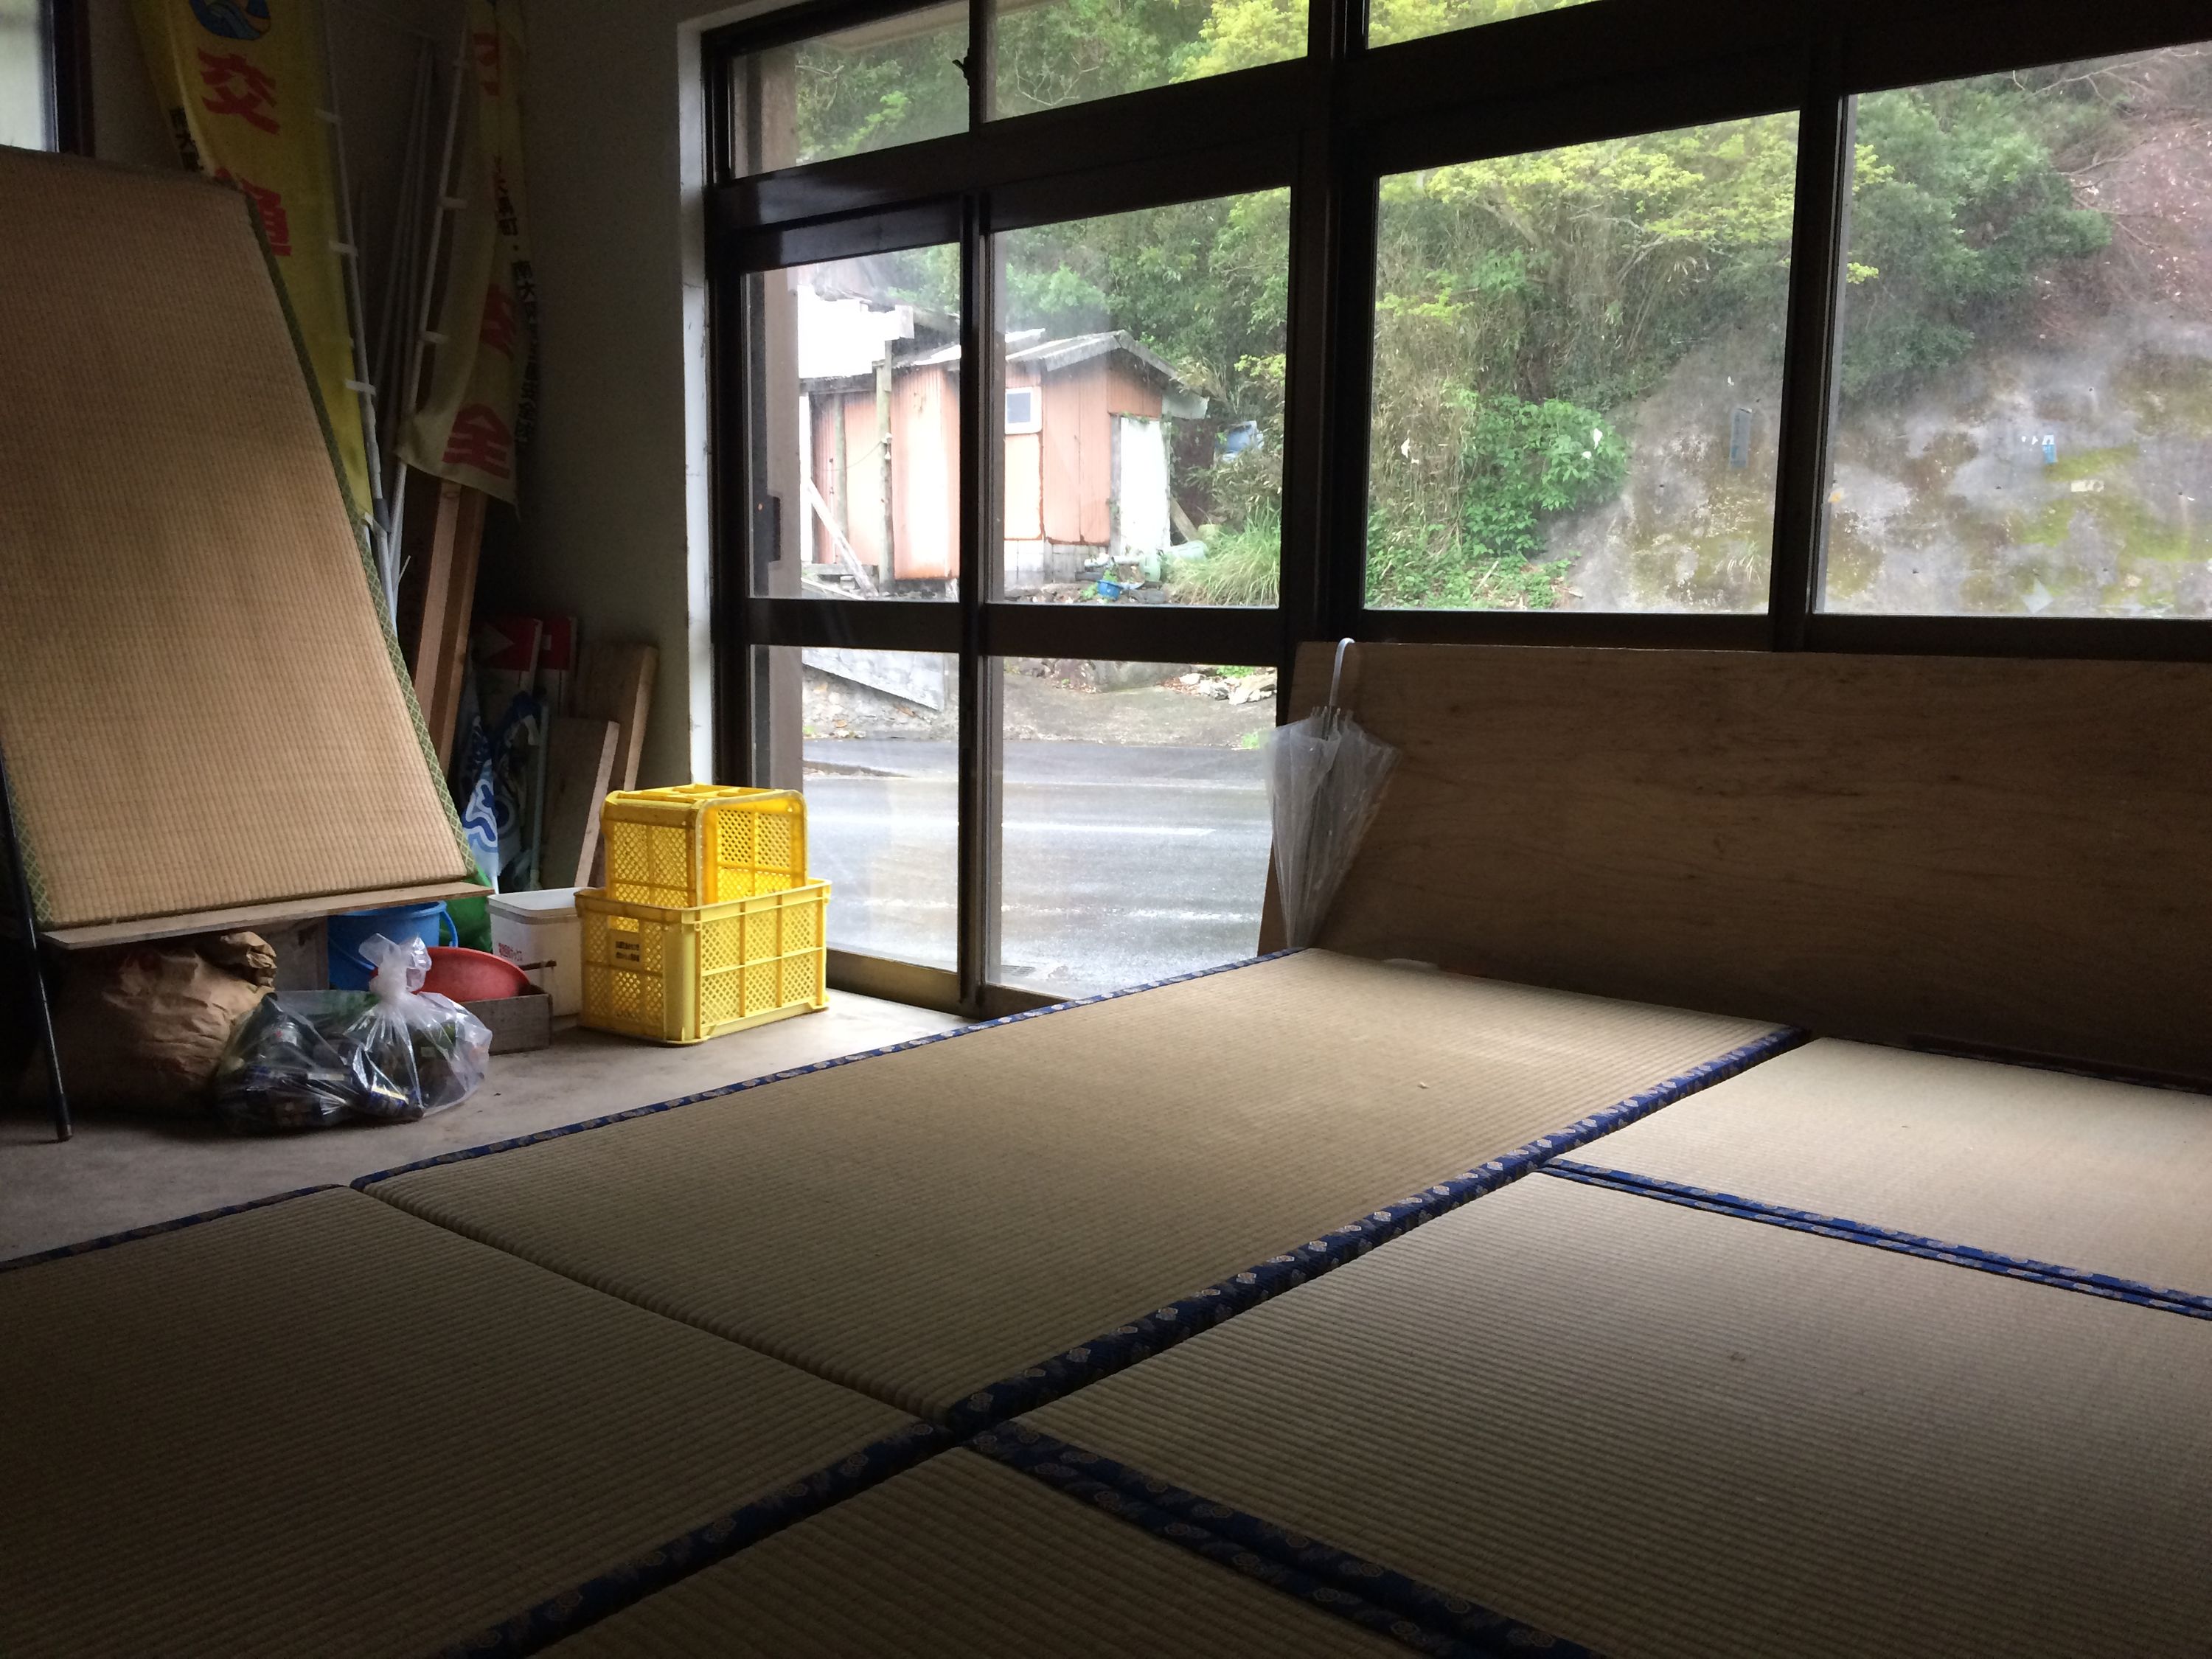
(30, 915)
(446, 203)
(348, 252)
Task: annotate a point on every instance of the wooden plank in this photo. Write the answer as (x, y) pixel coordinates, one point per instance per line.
(1984, 853)
(440, 651)
(255, 916)
(579, 762)
(614, 682)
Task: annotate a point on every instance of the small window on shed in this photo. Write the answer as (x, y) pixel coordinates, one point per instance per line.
(1024, 413)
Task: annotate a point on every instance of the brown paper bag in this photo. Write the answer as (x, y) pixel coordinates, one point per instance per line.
(140, 1027)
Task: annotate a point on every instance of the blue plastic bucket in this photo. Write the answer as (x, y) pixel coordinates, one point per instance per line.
(351, 929)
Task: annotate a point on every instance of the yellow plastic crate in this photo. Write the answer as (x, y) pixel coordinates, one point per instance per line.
(702, 843)
(686, 973)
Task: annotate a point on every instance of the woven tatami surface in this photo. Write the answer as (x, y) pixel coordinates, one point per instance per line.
(2111, 1177)
(198, 703)
(326, 1428)
(961, 1559)
(922, 1224)
(1665, 1433)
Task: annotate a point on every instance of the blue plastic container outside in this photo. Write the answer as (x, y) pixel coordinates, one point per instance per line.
(351, 929)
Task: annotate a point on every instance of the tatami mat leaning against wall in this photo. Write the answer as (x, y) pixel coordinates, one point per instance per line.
(324, 1427)
(961, 1559)
(1663, 1433)
(969, 1225)
(2107, 1178)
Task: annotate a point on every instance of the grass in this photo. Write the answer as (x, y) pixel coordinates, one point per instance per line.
(1241, 567)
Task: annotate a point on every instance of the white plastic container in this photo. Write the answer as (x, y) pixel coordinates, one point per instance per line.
(537, 933)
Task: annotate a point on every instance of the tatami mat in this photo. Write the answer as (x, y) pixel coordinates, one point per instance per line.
(326, 1428)
(924, 1224)
(1665, 1433)
(2108, 1177)
(960, 1558)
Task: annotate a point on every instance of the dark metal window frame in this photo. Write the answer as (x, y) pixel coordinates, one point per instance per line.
(65, 25)
(1330, 126)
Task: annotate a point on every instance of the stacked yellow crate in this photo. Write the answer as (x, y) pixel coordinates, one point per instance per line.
(708, 923)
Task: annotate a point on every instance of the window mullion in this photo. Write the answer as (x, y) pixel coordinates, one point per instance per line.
(1817, 237)
(981, 559)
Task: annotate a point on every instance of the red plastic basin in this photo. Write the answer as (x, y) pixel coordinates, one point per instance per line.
(473, 975)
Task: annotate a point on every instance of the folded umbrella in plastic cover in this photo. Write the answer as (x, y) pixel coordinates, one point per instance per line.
(1325, 778)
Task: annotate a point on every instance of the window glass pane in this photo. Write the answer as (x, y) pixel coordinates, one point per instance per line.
(856, 437)
(871, 87)
(1052, 53)
(27, 111)
(2026, 417)
(1135, 827)
(1578, 374)
(873, 739)
(1409, 20)
(1154, 344)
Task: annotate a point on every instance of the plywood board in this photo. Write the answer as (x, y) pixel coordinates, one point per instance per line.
(578, 763)
(1983, 852)
(614, 682)
(201, 702)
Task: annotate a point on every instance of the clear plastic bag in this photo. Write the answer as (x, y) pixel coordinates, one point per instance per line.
(389, 1054)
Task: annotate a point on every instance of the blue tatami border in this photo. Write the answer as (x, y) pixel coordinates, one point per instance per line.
(1124, 1345)
(1375, 1597)
(153, 1229)
(2189, 1303)
(463, 1155)
(538, 1627)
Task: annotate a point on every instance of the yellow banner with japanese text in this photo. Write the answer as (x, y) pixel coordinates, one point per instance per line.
(242, 82)
(482, 395)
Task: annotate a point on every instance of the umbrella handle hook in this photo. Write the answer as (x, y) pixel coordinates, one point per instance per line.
(1336, 675)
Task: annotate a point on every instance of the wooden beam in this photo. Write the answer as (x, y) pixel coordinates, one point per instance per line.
(255, 916)
(441, 643)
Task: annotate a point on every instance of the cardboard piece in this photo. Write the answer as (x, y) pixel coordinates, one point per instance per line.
(201, 702)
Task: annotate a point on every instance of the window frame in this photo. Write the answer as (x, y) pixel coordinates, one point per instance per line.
(1330, 126)
(65, 25)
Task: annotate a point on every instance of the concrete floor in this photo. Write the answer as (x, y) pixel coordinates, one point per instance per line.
(126, 1172)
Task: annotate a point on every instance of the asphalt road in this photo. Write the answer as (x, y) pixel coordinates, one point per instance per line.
(1122, 863)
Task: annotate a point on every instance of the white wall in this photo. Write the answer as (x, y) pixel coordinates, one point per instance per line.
(615, 523)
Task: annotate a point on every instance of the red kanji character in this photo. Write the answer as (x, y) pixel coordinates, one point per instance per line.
(486, 43)
(240, 89)
(480, 439)
(499, 321)
(275, 221)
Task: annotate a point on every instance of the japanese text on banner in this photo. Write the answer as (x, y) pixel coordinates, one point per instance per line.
(242, 82)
